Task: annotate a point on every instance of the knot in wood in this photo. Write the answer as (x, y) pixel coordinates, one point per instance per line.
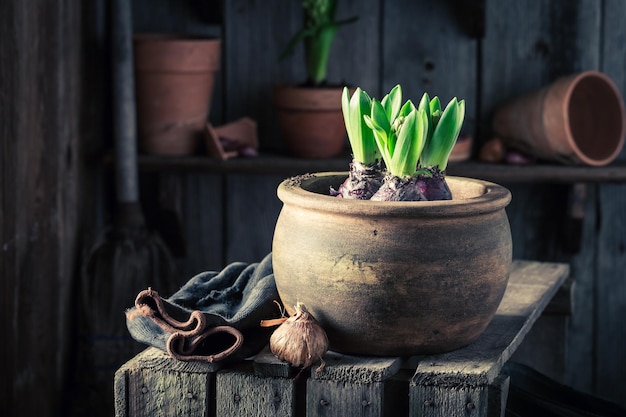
(470, 406)
(236, 398)
(324, 402)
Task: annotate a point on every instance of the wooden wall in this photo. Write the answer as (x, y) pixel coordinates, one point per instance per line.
(55, 121)
(40, 190)
(448, 49)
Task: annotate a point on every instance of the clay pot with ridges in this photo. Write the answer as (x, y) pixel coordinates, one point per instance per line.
(311, 120)
(578, 119)
(393, 278)
(174, 79)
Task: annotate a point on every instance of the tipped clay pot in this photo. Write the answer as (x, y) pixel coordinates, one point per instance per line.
(393, 278)
(576, 120)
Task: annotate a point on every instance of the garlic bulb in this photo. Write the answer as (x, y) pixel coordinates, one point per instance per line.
(300, 340)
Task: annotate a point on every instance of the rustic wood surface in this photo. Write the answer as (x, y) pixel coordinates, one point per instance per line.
(40, 196)
(510, 59)
(531, 287)
(449, 384)
(527, 45)
(163, 386)
(242, 393)
(610, 286)
(201, 224)
(350, 385)
(468, 380)
(55, 128)
(251, 217)
(444, 65)
(277, 164)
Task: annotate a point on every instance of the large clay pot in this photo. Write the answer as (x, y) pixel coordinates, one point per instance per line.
(578, 119)
(393, 278)
(311, 121)
(174, 78)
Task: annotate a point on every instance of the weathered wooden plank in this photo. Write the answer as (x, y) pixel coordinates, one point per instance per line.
(202, 212)
(611, 294)
(39, 186)
(350, 385)
(356, 369)
(461, 382)
(611, 260)
(164, 393)
(497, 396)
(580, 337)
(266, 364)
(272, 164)
(528, 45)
(433, 401)
(186, 209)
(531, 286)
(437, 401)
(337, 399)
(154, 384)
(172, 16)
(239, 392)
(250, 220)
(355, 55)
(256, 32)
(425, 49)
(544, 347)
(562, 304)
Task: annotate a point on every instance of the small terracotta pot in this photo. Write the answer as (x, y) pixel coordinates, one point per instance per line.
(576, 120)
(311, 120)
(462, 150)
(393, 278)
(174, 80)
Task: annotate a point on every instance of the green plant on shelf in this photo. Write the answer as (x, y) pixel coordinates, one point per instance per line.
(318, 33)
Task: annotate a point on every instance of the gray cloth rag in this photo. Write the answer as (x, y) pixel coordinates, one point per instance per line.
(214, 317)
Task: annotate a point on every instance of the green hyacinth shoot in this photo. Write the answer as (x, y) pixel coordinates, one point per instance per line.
(408, 138)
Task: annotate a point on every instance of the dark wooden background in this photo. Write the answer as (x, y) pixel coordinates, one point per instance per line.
(55, 132)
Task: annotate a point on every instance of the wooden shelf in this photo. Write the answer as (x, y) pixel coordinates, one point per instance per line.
(271, 164)
(540, 173)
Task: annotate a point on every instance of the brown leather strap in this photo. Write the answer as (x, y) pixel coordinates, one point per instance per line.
(194, 325)
(177, 349)
(185, 336)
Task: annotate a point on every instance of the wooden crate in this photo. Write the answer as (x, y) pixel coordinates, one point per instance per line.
(465, 382)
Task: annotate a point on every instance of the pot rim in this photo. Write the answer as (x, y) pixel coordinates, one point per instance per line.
(294, 97)
(495, 197)
(573, 82)
(171, 38)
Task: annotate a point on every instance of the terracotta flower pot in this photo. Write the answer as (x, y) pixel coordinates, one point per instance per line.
(311, 120)
(393, 278)
(174, 80)
(576, 120)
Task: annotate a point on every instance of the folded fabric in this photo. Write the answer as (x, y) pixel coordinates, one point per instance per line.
(214, 317)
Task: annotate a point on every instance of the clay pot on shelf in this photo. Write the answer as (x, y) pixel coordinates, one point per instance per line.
(393, 278)
(578, 119)
(311, 120)
(462, 150)
(174, 79)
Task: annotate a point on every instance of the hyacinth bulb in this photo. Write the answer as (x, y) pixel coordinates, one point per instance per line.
(300, 340)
